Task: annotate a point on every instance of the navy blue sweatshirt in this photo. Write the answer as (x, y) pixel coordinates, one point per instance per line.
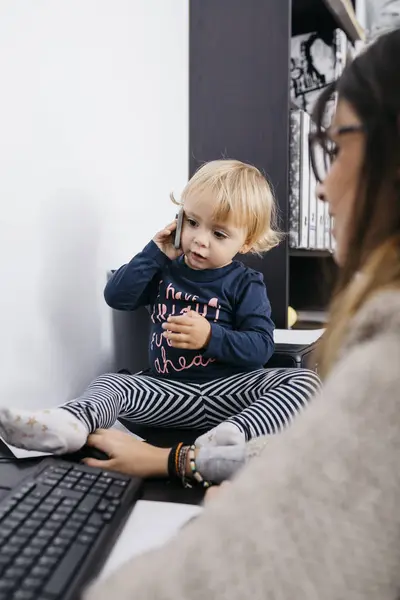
(233, 299)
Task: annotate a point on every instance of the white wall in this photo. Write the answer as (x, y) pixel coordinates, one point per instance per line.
(93, 136)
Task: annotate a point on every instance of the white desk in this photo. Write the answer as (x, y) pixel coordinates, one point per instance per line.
(149, 526)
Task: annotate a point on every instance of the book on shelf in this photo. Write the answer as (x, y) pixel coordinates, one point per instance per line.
(294, 178)
(309, 221)
(312, 234)
(321, 225)
(316, 60)
(327, 228)
(304, 179)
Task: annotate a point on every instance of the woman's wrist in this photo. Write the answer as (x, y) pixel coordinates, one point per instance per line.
(159, 463)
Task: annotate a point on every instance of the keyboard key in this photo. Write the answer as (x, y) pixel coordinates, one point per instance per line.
(23, 561)
(102, 506)
(89, 477)
(82, 488)
(45, 534)
(47, 561)
(15, 572)
(65, 570)
(28, 552)
(85, 539)
(105, 479)
(121, 482)
(62, 470)
(41, 572)
(60, 542)
(66, 485)
(38, 543)
(51, 481)
(114, 492)
(24, 595)
(71, 502)
(6, 585)
(32, 583)
(10, 549)
(4, 560)
(88, 504)
(96, 521)
(58, 518)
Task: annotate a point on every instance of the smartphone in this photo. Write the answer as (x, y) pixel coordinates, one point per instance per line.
(178, 230)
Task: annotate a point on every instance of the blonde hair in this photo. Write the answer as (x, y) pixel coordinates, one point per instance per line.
(242, 194)
(380, 272)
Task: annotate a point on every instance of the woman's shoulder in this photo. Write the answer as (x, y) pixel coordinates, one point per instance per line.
(378, 317)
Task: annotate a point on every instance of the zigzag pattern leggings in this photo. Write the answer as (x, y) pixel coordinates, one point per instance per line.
(260, 402)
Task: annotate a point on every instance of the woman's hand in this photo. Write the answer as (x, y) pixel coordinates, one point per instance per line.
(127, 454)
(165, 241)
(214, 491)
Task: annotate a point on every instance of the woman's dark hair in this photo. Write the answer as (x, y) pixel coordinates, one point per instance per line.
(371, 84)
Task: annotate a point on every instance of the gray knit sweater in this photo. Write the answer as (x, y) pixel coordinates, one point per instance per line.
(317, 515)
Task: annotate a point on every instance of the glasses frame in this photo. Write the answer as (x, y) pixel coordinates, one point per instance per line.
(322, 139)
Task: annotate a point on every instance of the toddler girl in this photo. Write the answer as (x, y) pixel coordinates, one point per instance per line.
(211, 333)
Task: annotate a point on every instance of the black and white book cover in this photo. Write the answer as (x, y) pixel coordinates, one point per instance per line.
(304, 180)
(294, 178)
(314, 65)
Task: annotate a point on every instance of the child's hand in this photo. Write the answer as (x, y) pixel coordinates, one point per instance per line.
(165, 241)
(190, 331)
(127, 454)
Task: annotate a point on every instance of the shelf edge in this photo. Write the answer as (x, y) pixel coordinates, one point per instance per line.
(344, 13)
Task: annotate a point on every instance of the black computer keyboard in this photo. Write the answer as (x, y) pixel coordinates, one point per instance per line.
(57, 528)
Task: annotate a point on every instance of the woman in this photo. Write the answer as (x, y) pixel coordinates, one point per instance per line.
(317, 514)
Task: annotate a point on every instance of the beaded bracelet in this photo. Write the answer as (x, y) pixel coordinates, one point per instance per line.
(196, 475)
(183, 454)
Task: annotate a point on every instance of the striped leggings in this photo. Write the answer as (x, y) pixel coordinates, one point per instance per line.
(259, 402)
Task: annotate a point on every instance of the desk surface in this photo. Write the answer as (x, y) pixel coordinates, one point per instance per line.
(161, 490)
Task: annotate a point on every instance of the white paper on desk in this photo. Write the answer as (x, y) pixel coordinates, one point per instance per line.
(297, 336)
(20, 453)
(150, 525)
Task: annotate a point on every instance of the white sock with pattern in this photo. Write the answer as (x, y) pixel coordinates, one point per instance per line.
(52, 430)
(225, 434)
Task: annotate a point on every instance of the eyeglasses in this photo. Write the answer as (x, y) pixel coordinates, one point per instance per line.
(323, 149)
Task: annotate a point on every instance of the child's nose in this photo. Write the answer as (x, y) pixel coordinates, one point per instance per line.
(201, 238)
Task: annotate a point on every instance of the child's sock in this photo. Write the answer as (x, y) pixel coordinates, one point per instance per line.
(225, 434)
(53, 430)
(220, 463)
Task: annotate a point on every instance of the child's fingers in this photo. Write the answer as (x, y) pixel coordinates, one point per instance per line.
(176, 337)
(176, 327)
(181, 320)
(182, 345)
(100, 464)
(171, 227)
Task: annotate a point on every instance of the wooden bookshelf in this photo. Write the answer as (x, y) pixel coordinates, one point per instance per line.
(239, 104)
(305, 253)
(326, 15)
(343, 12)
